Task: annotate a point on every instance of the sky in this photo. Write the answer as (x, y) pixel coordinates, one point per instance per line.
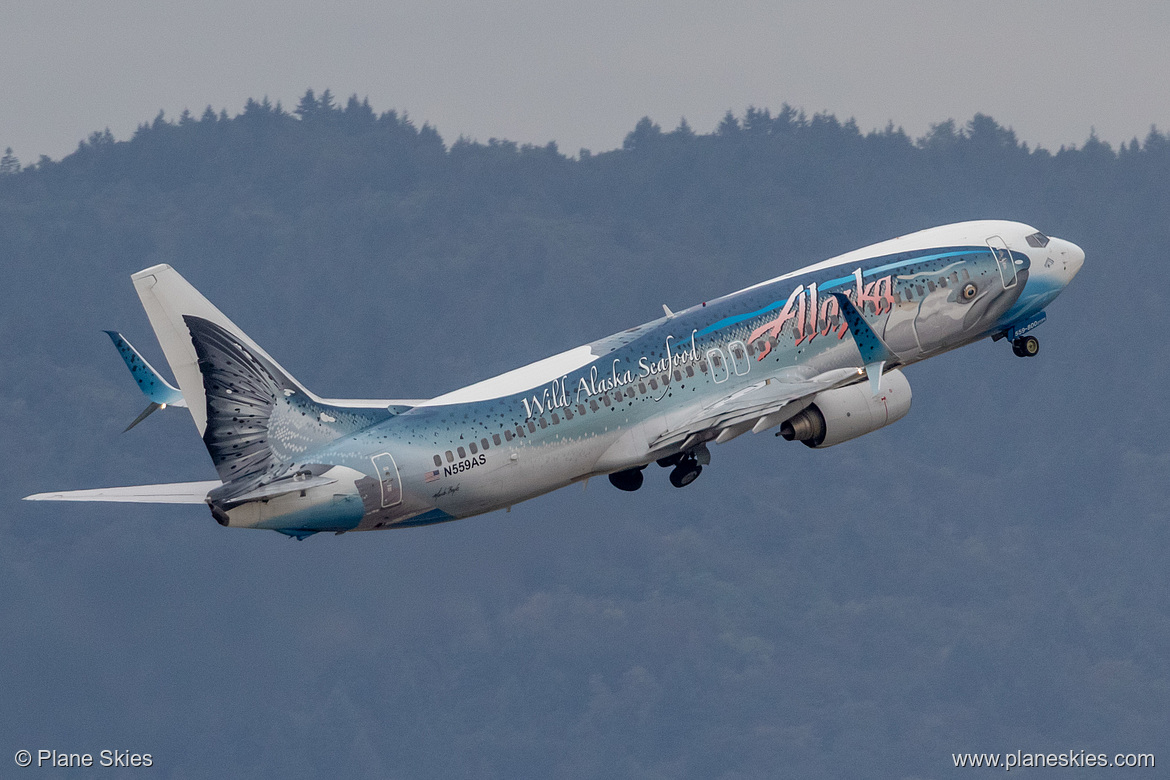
(582, 74)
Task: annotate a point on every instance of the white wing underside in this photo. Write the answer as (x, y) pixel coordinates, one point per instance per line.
(174, 493)
(756, 407)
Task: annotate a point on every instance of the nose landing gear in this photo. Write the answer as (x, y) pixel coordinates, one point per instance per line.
(1026, 346)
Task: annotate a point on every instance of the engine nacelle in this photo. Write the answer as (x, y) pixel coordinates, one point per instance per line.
(845, 413)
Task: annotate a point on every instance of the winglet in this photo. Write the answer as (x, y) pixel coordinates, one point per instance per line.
(875, 355)
(157, 390)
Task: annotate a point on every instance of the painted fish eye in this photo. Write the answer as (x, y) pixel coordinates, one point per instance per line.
(968, 292)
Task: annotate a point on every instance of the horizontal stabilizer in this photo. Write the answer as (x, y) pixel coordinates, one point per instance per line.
(174, 493)
(279, 487)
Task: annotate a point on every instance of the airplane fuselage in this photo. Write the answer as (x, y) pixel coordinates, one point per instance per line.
(656, 391)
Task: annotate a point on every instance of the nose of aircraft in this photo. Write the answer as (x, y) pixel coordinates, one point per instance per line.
(1066, 258)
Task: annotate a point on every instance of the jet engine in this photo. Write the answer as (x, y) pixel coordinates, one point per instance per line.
(845, 413)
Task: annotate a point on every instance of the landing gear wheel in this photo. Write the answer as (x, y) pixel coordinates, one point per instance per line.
(628, 480)
(1026, 346)
(685, 473)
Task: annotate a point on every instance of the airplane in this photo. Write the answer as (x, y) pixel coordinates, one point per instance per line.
(818, 353)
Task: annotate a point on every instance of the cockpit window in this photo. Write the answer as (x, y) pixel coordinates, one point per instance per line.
(1038, 240)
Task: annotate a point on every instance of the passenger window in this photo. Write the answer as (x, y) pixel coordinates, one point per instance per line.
(474, 449)
(556, 420)
(520, 431)
(543, 424)
(438, 461)
(642, 388)
(496, 438)
(462, 452)
(930, 285)
(690, 371)
(450, 457)
(483, 443)
(508, 434)
(568, 413)
(605, 399)
(629, 392)
(581, 409)
(653, 384)
(677, 375)
(532, 426)
(593, 404)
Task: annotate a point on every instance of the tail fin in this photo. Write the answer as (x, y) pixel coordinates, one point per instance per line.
(255, 419)
(158, 391)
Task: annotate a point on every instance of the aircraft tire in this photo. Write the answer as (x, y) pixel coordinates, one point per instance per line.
(684, 474)
(628, 480)
(1026, 346)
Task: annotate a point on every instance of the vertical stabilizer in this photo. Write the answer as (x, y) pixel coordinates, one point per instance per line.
(168, 298)
(256, 420)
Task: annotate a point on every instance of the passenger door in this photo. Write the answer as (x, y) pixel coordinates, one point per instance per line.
(1003, 258)
(388, 477)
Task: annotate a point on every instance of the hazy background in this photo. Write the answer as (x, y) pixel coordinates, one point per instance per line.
(986, 575)
(583, 73)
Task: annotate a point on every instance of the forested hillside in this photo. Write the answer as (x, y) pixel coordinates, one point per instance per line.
(987, 575)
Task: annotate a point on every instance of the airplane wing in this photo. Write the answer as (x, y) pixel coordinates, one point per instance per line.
(174, 493)
(770, 402)
(756, 408)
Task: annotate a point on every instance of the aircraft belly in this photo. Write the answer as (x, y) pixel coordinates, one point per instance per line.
(324, 508)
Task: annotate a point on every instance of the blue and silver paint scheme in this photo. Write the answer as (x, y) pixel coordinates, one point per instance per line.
(818, 351)
(159, 392)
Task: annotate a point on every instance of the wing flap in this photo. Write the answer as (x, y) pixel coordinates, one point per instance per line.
(174, 493)
(755, 407)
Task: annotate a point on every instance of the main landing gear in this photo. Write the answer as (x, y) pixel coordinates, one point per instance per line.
(686, 472)
(628, 480)
(687, 468)
(687, 465)
(1026, 346)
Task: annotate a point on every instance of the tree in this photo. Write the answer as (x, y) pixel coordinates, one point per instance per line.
(308, 108)
(729, 126)
(9, 163)
(644, 133)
